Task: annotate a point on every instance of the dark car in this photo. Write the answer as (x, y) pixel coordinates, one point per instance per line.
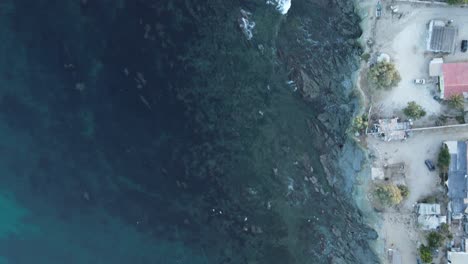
(429, 165)
(464, 45)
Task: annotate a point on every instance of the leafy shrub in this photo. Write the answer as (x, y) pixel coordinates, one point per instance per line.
(384, 75)
(425, 253)
(413, 110)
(360, 123)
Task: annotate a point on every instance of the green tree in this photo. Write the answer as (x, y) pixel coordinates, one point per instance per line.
(388, 194)
(457, 101)
(434, 240)
(403, 190)
(384, 75)
(425, 253)
(413, 110)
(443, 161)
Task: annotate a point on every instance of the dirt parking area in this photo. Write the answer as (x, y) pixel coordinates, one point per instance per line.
(404, 39)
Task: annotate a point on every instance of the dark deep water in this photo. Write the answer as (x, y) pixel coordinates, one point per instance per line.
(153, 131)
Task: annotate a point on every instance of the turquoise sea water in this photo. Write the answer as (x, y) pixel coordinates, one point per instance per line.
(156, 132)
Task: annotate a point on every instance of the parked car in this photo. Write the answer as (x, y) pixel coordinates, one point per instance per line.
(429, 165)
(419, 81)
(464, 45)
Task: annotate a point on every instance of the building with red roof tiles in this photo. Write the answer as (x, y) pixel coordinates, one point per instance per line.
(454, 79)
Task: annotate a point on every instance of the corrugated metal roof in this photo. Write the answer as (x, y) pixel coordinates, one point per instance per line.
(428, 209)
(441, 37)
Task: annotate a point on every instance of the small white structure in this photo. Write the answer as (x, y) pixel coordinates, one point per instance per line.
(383, 57)
(454, 257)
(435, 67)
(429, 216)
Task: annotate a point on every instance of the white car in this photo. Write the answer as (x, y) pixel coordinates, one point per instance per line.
(419, 81)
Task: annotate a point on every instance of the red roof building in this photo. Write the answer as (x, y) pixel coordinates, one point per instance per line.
(454, 79)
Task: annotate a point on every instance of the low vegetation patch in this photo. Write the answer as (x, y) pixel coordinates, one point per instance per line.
(429, 199)
(443, 161)
(388, 194)
(384, 75)
(457, 2)
(457, 101)
(365, 57)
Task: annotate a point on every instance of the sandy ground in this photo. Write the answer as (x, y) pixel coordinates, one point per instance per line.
(404, 40)
(398, 229)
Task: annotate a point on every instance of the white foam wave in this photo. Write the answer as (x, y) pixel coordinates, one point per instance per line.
(281, 5)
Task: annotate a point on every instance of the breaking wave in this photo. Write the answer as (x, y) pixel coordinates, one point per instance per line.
(281, 5)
